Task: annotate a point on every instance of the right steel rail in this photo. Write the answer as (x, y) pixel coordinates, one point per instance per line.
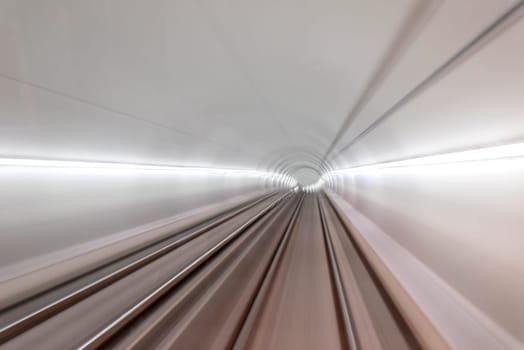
(340, 292)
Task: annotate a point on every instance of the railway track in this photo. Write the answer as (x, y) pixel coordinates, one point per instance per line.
(281, 272)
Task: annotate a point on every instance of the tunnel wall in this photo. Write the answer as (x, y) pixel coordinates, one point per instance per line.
(44, 210)
(58, 223)
(461, 221)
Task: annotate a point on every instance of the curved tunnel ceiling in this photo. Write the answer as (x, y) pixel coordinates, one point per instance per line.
(187, 82)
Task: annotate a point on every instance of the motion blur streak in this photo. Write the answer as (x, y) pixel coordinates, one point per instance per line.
(483, 156)
(262, 174)
(183, 170)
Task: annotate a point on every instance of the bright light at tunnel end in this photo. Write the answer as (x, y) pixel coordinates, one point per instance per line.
(278, 178)
(314, 187)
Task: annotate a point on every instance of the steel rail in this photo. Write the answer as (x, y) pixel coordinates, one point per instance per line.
(222, 265)
(257, 304)
(109, 330)
(340, 292)
(400, 318)
(30, 320)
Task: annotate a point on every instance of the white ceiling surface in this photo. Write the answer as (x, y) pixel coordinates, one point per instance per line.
(477, 103)
(240, 83)
(225, 83)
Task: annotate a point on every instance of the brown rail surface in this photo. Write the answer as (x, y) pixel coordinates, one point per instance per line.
(25, 314)
(282, 273)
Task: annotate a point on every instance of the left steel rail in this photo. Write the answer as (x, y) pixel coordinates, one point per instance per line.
(39, 315)
(121, 321)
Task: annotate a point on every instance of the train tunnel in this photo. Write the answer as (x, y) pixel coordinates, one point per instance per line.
(261, 174)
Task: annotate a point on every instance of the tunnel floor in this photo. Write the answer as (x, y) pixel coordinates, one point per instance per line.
(280, 272)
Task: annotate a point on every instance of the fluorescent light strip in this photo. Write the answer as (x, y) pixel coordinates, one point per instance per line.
(66, 164)
(482, 154)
